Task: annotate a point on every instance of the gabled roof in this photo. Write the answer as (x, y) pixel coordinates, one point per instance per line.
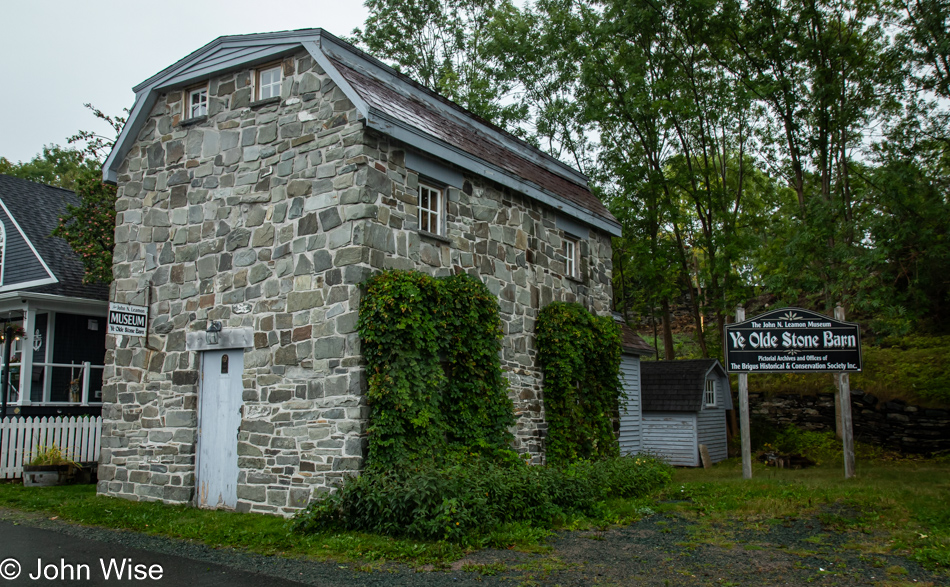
(393, 104)
(32, 211)
(675, 386)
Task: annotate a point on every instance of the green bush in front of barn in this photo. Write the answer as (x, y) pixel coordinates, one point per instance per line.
(471, 499)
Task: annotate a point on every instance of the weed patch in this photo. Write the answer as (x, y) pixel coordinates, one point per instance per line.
(480, 502)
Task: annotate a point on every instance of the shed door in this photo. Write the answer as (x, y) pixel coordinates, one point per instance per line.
(219, 417)
(671, 436)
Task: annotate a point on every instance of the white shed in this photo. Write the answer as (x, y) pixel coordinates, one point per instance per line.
(683, 405)
(630, 413)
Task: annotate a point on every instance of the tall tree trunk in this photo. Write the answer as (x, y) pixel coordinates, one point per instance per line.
(668, 353)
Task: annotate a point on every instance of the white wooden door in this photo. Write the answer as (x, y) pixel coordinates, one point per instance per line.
(219, 417)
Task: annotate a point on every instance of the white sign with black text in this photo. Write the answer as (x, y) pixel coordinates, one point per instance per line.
(127, 319)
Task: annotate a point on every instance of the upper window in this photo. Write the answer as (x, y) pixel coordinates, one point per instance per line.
(430, 209)
(710, 395)
(197, 103)
(268, 82)
(570, 257)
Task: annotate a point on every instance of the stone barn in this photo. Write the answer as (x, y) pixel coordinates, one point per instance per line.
(261, 179)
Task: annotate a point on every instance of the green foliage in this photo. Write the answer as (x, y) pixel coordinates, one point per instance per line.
(89, 228)
(56, 166)
(435, 380)
(469, 500)
(51, 455)
(580, 356)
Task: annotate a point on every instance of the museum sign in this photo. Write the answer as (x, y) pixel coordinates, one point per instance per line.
(792, 340)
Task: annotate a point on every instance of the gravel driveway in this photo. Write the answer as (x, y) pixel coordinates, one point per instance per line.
(658, 550)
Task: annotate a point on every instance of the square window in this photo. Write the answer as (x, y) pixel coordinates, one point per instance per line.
(710, 393)
(268, 82)
(197, 103)
(430, 209)
(570, 257)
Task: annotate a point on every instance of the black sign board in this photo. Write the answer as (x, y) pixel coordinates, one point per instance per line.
(792, 340)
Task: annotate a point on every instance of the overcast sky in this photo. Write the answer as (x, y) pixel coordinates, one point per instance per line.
(56, 55)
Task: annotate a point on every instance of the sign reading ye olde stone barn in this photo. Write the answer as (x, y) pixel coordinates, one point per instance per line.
(792, 340)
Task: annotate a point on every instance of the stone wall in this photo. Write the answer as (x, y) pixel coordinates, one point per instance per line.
(268, 217)
(893, 424)
(254, 208)
(505, 239)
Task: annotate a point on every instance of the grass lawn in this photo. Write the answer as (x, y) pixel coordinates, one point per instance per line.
(901, 507)
(898, 507)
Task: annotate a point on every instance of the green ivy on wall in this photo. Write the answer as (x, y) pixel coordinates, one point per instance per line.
(580, 356)
(435, 379)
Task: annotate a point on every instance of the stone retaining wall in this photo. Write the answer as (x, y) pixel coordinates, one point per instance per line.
(892, 424)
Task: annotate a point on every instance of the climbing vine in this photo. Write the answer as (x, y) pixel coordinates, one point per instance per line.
(580, 356)
(435, 380)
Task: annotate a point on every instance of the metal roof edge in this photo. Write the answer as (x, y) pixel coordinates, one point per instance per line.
(412, 136)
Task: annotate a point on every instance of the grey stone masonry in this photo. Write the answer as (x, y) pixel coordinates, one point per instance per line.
(269, 216)
(892, 424)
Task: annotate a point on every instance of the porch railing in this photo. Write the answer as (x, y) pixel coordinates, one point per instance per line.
(77, 436)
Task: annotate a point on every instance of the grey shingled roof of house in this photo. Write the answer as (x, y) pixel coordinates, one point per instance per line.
(36, 208)
(673, 386)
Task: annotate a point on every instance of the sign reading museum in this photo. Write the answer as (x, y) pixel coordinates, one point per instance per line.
(128, 320)
(792, 340)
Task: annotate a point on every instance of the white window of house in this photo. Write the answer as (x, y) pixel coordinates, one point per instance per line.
(570, 257)
(710, 393)
(430, 209)
(197, 103)
(3, 250)
(268, 82)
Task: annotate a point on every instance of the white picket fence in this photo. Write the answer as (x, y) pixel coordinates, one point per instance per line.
(77, 436)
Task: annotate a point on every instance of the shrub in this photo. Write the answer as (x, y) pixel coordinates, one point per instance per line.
(467, 500)
(580, 356)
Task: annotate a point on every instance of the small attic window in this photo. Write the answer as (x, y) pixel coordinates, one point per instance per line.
(710, 395)
(196, 103)
(268, 82)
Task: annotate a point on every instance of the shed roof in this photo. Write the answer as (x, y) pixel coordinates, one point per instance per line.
(36, 209)
(391, 103)
(675, 386)
(632, 343)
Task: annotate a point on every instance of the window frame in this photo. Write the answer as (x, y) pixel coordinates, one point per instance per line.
(572, 256)
(710, 390)
(438, 213)
(259, 86)
(188, 105)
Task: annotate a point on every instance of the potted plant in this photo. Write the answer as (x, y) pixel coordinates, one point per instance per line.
(50, 466)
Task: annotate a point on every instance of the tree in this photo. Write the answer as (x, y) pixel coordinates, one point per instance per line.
(56, 166)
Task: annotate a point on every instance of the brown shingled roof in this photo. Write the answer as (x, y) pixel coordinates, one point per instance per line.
(456, 132)
(631, 342)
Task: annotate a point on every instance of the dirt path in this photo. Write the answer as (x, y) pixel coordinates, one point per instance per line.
(658, 550)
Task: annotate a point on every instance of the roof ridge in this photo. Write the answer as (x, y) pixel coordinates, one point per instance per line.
(45, 185)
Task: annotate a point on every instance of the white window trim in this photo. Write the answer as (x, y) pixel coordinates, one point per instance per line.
(710, 390)
(438, 213)
(187, 101)
(571, 260)
(258, 87)
(3, 252)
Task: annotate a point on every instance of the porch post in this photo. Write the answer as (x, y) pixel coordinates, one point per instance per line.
(85, 382)
(26, 355)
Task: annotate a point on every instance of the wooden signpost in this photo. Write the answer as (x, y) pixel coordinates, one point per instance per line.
(793, 340)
